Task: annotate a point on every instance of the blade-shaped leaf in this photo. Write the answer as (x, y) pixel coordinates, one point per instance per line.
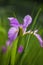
(13, 51)
(5, 58)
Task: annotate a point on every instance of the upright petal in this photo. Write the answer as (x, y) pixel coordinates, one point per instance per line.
(13, 22)
(27, 20)
(39, 38)
(12, 33)
(24, 29)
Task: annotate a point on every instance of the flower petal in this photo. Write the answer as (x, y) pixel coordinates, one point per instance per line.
(13, 22)
(12, 33)
(24, 29)
(27, 20)
(39, 38)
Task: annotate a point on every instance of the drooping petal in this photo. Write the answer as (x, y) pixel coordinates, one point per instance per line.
(12, 33)
(27, 20)
(13, 22)
(20, 49)
(39, 38)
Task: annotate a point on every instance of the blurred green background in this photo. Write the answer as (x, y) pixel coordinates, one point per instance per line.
(18, 9)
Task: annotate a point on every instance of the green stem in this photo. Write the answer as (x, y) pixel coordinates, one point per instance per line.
(0, 22)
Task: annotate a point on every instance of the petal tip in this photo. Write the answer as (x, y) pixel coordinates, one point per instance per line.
(27, 20)
(10, 18)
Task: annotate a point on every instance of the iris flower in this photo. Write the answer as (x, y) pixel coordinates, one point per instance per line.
(13, 32)
(15, 29)
(15, 26)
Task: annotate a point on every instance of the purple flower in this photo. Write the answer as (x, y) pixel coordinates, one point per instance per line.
(3, 49)
(39, 38)
(20, 49)
(15, 25)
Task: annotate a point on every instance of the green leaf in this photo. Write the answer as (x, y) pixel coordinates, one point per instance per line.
(2, 30)
(35, 53)
(5, 57)
(2, 35)
(35, 19)
(34, 22)
(13, 51)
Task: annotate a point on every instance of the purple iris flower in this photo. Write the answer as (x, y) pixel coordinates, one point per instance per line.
(15, 25)
(14, 30)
